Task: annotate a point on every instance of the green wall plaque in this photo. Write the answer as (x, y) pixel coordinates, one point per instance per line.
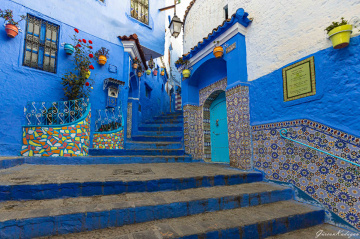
(299, 80)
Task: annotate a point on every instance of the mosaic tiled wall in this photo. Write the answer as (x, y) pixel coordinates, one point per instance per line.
(114, 140)
(193, 136)
(239, 130)
(73, 140)
(207, 96)
(329, 180)
(129, 120)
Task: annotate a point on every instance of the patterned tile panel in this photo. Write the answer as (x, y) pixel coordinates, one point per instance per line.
(129, 120)
(239, 130)
(193, 133)
(114, 140)
(73, 140)
(205, 93)
(329, 180)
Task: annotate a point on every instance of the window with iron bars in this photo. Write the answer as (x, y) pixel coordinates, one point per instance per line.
(140, 10)
(41, 44)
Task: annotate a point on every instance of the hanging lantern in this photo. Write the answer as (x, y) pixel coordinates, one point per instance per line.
(151, 63)
(175, 26)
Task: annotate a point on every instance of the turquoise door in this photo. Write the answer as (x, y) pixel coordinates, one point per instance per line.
(219, 130)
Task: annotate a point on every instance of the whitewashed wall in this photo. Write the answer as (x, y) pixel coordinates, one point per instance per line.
(282, 31)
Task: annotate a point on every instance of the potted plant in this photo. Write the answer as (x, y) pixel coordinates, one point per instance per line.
(11, 27)
(136, 63)
(139, 71)
(69, 49)
(186, 72)
(155, 72)
(102, 55)
(162, 72)
(339, 33)
(76, 82)
(218, 50)
(148, 72)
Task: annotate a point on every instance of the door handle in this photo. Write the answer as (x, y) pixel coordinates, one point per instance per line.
(215, 133)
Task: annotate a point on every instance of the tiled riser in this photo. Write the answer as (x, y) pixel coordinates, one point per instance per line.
(266, 229)
(152, 146)
(51, 191)
(36, 227)
(113, 140)
(115, 152)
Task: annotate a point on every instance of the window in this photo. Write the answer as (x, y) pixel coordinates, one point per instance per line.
(41, 44)
(140, 10)
(226, 12)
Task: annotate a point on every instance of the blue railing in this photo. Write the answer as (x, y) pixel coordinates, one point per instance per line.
(284, 131)
(109, 119)
(55, 112)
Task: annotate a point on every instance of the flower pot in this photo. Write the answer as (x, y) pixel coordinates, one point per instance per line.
(139, 74)
(162, 73)
(69, 49)
(135, 65)
(218, 51)
(11, 30)
(155, 72)
(86, 74)
(186, 73)
(102, 60)
(340, 36)
(148, 72)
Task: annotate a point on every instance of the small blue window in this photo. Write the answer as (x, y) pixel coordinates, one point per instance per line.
(41, 44)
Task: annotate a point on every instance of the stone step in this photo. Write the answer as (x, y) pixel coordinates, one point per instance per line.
(166, 121)
(151, 138)
(36, 182)
(160, 133)
(91, 160)
(131, 152)
(160, 128)
(173, 117)
(152, 145)
(91, 213)
(161, 125)
(248, 222)
(320, 231)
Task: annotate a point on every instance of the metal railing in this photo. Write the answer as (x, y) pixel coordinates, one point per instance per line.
(109, 119)
(55, 112)
(284, 131)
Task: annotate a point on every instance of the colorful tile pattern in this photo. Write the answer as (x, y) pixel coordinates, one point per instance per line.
(129, 120)
(114, 140)
(205, 92)
(67, 141)
(329, 180)
(193, 133)
(239, 130)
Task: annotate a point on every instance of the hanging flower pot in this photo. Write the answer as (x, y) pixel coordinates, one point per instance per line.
(162, 72)
(155, 72)
(218, 51)
(340, 36)
(69, 49)
(148, 72)
(11, 30)
(186, 73)
(135, 65)
(102, 60)
(139, 74)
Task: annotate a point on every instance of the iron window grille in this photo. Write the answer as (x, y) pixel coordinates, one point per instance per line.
(41, 44)
(140, 10)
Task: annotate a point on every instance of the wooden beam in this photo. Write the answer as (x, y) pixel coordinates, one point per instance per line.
(166, 8)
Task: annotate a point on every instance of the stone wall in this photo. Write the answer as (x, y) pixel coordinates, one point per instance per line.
(281, 32)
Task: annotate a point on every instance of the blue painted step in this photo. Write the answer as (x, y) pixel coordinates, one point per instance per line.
(160, 133)
(157, 138)
(161, 128)
(168, 117)
(152, 145)
(130, 152)
(166, 121)
(161, 125)
(117, 215)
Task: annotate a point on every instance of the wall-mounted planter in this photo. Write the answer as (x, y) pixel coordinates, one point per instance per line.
(218, 51)
(186, 73)
(139, 74)
(69, 49)
(162, 73)
(86, 74)
(102, 60)
(135, 65)
(148, 72)
(340, 36)
(11, 30)
(155, 72)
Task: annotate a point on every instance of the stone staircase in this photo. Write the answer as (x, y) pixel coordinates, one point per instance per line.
(150, 200)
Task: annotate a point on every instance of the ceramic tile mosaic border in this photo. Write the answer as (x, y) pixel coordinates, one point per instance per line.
(72, 140)
(205, 92)
(330, 181)
(114, 140)
(129, 120)
(193, 135)
(239, 130)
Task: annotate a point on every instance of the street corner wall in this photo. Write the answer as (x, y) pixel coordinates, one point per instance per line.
(109, 140)
(45, 141)
(328, 180)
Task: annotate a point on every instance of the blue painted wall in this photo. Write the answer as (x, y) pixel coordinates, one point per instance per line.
(21, 84)
(337, 103)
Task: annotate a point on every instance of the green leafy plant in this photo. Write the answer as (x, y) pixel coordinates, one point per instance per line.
(336, 24)
(137, 61)
(182, 62)
(75, 82)
(9, 17)
(102, 52)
